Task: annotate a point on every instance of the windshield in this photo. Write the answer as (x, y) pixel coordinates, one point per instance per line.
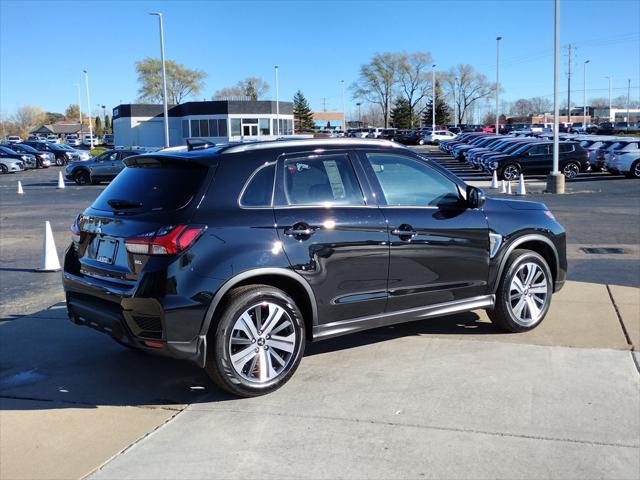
(7, 150)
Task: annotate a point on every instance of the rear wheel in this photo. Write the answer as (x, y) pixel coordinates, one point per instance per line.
(524, 293)
(59, 161)
(510, 172)
(571, 170)
(258, 342)
(3, 169)
(634, 171)
(82, 177)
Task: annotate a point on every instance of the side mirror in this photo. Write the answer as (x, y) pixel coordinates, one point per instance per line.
(475, 197)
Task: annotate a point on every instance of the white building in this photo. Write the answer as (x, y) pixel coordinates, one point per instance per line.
(218, 121)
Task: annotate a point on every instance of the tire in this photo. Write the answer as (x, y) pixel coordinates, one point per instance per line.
(233, 335)
(515, 315)
(82, 177)
(634, 171)
(421, 142)
(3, 169)
(571, 170)
(510, 172)
(59, 162)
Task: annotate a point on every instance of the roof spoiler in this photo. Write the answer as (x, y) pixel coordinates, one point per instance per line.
(198, 144)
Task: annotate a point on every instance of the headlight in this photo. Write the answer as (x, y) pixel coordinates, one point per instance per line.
(24, 157)
(68, 154)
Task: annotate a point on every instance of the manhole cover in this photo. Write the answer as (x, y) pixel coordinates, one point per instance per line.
(603, 250)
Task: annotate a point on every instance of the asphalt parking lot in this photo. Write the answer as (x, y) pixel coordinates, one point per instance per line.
(450, 397)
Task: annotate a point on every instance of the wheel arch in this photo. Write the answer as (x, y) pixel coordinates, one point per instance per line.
(286, 280)
(536, 243)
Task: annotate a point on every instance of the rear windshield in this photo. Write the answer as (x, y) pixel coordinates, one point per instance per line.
(139, 189)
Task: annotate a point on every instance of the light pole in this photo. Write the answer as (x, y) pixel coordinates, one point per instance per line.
(584, 97)
(628, 101)
(555, 180)
(455, 105)
(86, 80)
(79, 107)
(610, 102)
(344, 115)
(104, 118)
(498, 84)
(277, 102)
(359, 115)
(433, 102)
(164, 80)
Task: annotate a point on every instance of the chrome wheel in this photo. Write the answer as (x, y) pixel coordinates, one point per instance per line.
(635, 171)
(571, 170)
(511, 172)
(528, 294)
(262, 342)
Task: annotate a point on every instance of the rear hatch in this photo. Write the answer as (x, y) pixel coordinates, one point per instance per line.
(150, 198)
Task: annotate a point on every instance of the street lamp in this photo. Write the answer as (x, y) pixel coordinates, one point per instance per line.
(433, 102)
(104, 118)
(498, 84)
(359, 115)
(455, 106)
(86, 80)
(79, 107)
(555, 180)
(164, 80)
(277, 102)
(610, 77)
(584, 98)
(344, 115)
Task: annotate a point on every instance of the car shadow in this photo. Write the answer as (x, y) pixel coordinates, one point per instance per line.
(47, 362)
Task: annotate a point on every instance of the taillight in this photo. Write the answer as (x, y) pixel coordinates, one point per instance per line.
(75, 231)
(164, 241)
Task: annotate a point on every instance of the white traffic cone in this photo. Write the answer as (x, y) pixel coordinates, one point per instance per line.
(20, 190)
(60, 180)
(504, 187)
(49, 256)
(509, 187)
(521, 188)
(494, 180)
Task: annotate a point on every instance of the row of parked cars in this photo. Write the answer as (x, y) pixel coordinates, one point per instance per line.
(511, 155)
(71, 139)
(19, 156)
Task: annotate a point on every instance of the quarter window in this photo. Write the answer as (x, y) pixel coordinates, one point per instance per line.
(408, 182)
(258, 191)
(321, 180)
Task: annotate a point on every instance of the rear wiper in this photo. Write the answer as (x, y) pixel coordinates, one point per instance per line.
(118, 204)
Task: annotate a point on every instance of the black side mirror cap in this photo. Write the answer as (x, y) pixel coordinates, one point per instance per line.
(475, 197)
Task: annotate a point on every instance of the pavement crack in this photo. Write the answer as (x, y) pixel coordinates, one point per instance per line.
(89, 404)
(622, 325)
(434, 427)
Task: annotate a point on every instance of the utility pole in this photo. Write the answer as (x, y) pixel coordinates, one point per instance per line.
(628, 101)
(324, 104)
(359, 115)
(611, 119)
(165, 102)
(584, 98)
(569, 87)
(455, 106)
(433, 99)
(277, 102)
(555, 180)
(498, 85)
(344, 114)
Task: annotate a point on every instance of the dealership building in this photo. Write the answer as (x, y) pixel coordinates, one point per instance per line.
(218, 121)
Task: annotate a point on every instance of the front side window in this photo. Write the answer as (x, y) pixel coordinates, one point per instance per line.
(409, 182)
(321, 180)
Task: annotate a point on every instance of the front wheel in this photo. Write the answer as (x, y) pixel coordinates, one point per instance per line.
(59, 162)
(258, 342)
(3, 169)
(524, 293)
(421, 142)
(82, 177)
(634, 171)
(571, 170)
(510, 172)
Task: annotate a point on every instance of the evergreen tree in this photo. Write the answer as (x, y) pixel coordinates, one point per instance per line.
(97, 129)
(107, 124)
(442, 109)
(302, 115)
(401, 114)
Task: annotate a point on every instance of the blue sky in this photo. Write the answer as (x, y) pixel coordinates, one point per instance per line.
(45, 45)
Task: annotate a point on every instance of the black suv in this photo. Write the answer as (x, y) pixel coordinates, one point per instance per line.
(233, 257)
(537, 158)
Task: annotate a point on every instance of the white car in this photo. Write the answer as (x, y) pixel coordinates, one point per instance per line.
(72, 140)
(625, 162)
(87, 140)
(621, 146)
(440, 135)
(13, 139)
(52, 138)
(374, 132)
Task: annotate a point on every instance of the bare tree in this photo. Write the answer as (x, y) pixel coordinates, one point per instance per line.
(414, 80)
(230, 93)
(27, 118)
(469, 85)
(250, 88)
(522, 107)
(540, 105)
(377, 80)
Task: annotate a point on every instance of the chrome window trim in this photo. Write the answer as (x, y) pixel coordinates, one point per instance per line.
(246, 184)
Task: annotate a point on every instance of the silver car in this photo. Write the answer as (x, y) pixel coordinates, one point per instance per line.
(10, 165)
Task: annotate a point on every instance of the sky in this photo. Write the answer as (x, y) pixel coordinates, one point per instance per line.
(46, 45)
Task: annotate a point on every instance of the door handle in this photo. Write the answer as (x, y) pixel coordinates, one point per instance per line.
(299, 230)
(404, 231)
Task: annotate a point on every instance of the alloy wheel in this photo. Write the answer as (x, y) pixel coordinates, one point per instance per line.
(511, 172)
(528, 294)
(571, 170)
(635, 171)
(262, 342)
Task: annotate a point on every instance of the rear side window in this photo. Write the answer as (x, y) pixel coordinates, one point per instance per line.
(259, 188)
(566, 148)
(321, 180)
(141, 189)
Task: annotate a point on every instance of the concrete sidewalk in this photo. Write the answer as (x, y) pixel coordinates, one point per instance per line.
(448, 397)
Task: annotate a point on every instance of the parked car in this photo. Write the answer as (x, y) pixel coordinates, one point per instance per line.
(581, 127)
(14, 139)
(598, 155)
(107, 139)
(90, 140)
(537, 158)
(43, 159)
(611, 128)
(52, 138)
(621, 146)
(439, 135)
(374, 132)
(10, 164)
(27, 160)
(72, 140)
(626, 162)
(101, 168)
(180, 255)
(78, 154)
(389, 134)
(62, 156)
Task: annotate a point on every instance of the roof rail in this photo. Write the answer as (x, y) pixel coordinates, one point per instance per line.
(319, 142)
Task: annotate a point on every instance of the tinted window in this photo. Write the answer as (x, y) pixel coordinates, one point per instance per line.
(318, 180)
(406, 181)
(539, 150)
(195, 128)
(566, 147)
(158, 188)
(259, 190)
